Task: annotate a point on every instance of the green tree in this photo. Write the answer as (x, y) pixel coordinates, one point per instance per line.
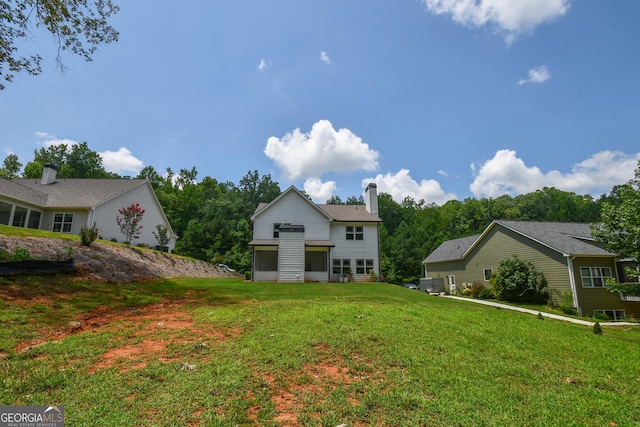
(148, 172)
(77, 26)
(77, 161)
(162, 235)
(619, 230)
(519, 281)
(10, 167)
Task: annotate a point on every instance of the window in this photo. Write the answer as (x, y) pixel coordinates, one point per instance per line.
(62, 222)
(355, 232)
(19, 216)
(364, 266)
(276, 230)
(613, 315)
(595, 277)
(315, 261)
(341, 266)
(34, 219)
(487, 274)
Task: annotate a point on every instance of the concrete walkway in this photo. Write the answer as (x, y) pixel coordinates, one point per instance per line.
(535, 312)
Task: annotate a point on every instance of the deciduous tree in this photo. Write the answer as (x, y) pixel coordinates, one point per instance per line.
(129, 221)
(619, 230)
(77, 26)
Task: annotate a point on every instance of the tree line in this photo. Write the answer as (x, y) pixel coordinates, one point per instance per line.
(212, 218)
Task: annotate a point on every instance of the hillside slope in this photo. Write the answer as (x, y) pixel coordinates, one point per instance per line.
(112, 263)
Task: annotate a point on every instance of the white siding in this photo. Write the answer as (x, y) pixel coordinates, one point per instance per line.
(367, 248)
(105, 216)
(291, 257)
(294, 209)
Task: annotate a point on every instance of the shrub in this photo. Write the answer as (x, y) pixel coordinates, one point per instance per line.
(486, 294)
(566, 304)
(19, 254)
(247, 275)
(519, 281)
(600, 316)
(597, 329)
(88, 235)
(476, 288)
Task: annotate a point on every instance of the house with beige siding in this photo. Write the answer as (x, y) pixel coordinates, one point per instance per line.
(66, 205)
(572, 263)
(296, 240)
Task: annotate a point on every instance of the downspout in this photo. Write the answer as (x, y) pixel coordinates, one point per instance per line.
(572, 282)
(379, 267)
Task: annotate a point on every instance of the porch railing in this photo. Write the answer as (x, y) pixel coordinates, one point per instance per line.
(633, 298)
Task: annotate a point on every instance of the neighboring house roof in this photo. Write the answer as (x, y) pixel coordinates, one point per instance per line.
(451, 249)
(567, 238)
(343, 213)
(65, 193)
(21, 192)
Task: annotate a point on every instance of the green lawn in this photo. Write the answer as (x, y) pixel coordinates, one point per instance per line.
(226, 353)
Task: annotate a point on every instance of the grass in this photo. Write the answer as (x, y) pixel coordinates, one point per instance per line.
(226, 352)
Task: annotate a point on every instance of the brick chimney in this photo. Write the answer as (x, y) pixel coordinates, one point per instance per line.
(371, 198)
(49, 173)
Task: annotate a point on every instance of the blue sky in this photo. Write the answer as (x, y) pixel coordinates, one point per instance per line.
(432, 99)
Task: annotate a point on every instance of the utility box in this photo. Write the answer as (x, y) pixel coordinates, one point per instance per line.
(431, 285)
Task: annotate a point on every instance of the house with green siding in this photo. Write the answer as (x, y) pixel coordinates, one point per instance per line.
(573, 264)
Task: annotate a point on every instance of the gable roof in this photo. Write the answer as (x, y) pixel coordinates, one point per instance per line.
(567, 238)
(452, 249)
(343, 213)
(66, 193)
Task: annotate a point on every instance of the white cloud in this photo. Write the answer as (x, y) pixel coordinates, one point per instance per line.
(324, 57)
(443, 173)
(401, 185)
(324, 149)
(262, 65)
(319, 191)
(509, 17)
(121, 161)
(507, 174)
(536, 75)
(47, 140)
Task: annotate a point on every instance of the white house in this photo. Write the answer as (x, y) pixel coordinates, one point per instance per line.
(65, 205)
(296, 240)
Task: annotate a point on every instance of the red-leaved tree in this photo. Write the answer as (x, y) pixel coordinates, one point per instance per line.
(129, 221)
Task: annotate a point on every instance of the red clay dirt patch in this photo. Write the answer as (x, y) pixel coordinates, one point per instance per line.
(153, 328)
(318, 379)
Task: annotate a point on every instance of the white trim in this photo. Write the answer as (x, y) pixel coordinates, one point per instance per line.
(572, 282)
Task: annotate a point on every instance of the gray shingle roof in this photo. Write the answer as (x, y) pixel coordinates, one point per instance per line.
(342, 213)
(22, 192)
(353, 213)
(77, 193)
(569, 238)
(451, 249)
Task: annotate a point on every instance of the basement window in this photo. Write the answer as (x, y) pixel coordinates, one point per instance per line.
(613, 315)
